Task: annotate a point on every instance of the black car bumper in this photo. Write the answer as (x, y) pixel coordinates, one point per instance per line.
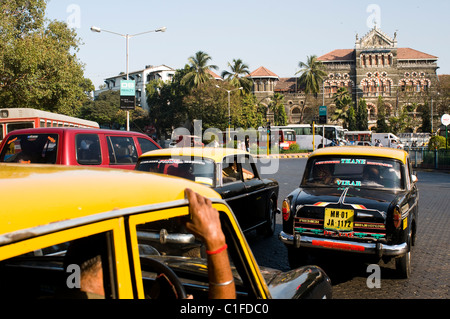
(335, 244)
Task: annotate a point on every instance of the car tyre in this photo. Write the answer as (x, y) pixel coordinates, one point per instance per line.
(268, 229)
(403, 263)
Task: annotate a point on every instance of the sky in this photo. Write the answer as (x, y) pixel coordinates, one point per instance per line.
(274, 34)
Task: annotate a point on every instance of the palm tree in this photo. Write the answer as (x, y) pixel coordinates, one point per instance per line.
(277, 107)
(311, 77)
(343, 103)
(236, 76)
(198, 70)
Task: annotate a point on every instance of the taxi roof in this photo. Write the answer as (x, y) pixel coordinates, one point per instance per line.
(38, 195)
(398, 154)
(216, 154)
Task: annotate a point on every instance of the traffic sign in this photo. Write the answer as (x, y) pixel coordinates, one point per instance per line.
(445, 119)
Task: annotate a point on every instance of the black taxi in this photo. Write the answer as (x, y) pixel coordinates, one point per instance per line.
(356, 199)
(230, 172)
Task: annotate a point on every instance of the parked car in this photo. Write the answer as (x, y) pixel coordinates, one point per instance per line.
(138, 218)
(230, 172)
(76, 146)
(357, 199)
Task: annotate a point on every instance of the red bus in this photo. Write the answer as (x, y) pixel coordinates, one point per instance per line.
(283, 137)
(12, 119)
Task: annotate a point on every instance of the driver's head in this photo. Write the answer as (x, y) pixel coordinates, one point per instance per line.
(87, 253)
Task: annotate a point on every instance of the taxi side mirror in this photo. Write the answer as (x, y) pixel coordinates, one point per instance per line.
(414, 179)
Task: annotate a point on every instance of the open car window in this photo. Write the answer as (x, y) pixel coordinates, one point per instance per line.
(57, 271)
(169, 242)
(353, 171)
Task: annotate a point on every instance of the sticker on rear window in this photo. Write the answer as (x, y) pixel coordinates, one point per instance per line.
(353, 161)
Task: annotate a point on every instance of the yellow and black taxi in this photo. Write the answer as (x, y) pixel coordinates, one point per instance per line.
(137, 221)
(357, 199)
(230, 172)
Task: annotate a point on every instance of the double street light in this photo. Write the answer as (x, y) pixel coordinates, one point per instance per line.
(127, 37)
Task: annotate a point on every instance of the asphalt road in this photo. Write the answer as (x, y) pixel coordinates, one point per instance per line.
(350, 276)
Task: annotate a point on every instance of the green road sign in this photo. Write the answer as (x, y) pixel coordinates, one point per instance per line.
(127, 88)
(323, 110)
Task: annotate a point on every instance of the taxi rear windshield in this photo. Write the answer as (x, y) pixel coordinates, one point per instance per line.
(353, 171)
(200, 170)
(30, 148)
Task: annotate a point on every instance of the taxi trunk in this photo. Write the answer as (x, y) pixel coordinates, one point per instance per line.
(359, 214)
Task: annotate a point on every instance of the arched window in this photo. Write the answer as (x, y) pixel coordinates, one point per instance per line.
(295, 115)
(372, 111)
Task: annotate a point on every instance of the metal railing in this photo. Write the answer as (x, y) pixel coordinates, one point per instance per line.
(434, 159)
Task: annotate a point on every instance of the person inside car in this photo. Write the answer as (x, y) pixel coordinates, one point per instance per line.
(322, 174)
(371, 175)
(204, 223)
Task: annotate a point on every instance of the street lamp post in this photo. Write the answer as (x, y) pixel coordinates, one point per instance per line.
(127, 37)
(229, 107)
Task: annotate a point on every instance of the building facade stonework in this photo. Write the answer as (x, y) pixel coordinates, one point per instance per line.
(375, 67)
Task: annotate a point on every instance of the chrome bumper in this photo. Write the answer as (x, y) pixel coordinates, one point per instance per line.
(335, 244)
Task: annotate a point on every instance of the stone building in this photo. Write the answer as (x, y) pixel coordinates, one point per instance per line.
(375, 67)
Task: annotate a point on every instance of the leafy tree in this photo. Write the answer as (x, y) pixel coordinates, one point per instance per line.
(311, 78)
(399, 123)
(343, 102)
(198, 72)
(210, 105)
(351, 118)
(167, 110)
(362, 120)
(382, 126)
(276, 105)
(105, 110)
(426, 120)
(39, 67)
(237, 75)
(249, 114)
(436, 142)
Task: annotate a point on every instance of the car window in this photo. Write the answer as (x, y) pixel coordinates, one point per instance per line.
(88, 149)
(57, 271)
(122, 150)
(231, 170)
(353, 171)
(168, 241)
(248, 171)
(200, 170)
(32, 148)
(146, 145)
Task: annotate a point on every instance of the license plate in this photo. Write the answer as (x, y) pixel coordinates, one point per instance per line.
(338, 219)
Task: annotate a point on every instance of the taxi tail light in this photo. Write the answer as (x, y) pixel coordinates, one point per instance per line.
(286, 210)
(397, 217)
